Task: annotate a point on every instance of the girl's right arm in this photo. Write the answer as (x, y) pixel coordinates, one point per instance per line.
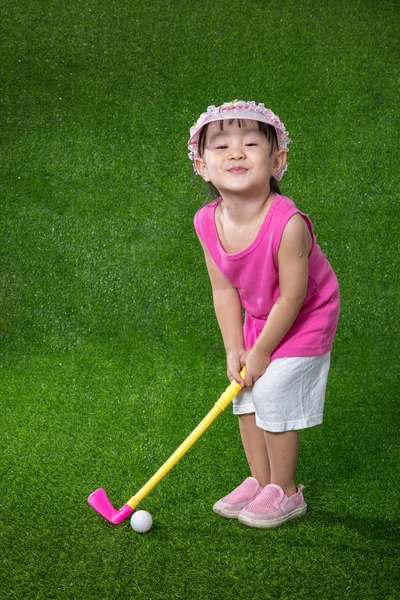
(228, 310)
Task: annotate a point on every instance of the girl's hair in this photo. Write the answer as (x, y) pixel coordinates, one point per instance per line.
(269, 132)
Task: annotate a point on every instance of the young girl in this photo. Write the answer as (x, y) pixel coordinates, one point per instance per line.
(262, 255)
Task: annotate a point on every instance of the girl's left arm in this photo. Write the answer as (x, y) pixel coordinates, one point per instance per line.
(293, 255)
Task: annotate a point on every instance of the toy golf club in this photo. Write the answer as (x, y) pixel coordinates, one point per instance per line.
(99, 499)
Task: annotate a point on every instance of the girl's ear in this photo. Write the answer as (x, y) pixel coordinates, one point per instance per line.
(279, 161)
(202, 168)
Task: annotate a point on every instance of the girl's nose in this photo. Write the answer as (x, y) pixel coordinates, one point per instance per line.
(237, 152)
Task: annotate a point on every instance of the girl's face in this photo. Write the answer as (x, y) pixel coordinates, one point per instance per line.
(239, 158)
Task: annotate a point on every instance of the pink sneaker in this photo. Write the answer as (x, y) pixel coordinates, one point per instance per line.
(231, 505)
(272, 507)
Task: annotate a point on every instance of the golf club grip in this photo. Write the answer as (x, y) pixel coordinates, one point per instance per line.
(223, 401)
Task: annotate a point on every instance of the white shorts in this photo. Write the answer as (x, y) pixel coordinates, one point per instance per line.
(290, 395)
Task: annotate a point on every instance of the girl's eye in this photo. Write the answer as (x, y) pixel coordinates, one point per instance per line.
(221, 147)
(251, 144)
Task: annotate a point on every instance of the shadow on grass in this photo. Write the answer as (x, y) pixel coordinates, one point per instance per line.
(370, 527)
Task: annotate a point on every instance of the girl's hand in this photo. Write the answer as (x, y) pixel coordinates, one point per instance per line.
(233, 366)
(256, 363)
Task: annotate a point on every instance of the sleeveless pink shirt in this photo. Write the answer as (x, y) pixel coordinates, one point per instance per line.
(254, 272)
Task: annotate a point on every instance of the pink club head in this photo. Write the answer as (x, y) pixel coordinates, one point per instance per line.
(101, 504)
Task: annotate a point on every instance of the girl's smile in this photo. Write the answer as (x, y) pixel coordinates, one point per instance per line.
(237, 170)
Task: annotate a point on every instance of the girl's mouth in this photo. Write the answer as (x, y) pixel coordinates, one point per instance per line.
(237, 170)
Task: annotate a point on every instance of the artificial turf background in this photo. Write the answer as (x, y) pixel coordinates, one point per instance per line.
(110, 353)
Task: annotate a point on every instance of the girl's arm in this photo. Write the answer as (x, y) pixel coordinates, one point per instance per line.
(228, 310)
(293, 255)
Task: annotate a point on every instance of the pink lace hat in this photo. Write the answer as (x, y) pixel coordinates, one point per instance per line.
(239, 109)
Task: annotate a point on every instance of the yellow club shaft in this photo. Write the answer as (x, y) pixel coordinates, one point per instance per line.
(223, 401)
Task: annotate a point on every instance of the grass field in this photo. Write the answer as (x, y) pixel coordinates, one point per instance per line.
(110, 353)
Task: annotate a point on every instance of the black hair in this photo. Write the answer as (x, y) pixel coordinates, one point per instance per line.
(268, 130)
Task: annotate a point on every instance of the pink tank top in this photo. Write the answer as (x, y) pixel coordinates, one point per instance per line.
(254, 272)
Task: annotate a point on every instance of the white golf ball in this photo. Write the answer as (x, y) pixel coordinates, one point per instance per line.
(141, 521)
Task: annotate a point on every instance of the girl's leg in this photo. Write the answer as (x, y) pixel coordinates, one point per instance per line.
(254, 444)
(282, 451)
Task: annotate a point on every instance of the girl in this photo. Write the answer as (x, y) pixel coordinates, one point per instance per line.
(262, 255)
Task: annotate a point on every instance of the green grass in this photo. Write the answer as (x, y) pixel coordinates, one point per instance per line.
(110, 353)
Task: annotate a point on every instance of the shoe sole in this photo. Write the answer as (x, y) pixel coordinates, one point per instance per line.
(267, 523)
(226, 514)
